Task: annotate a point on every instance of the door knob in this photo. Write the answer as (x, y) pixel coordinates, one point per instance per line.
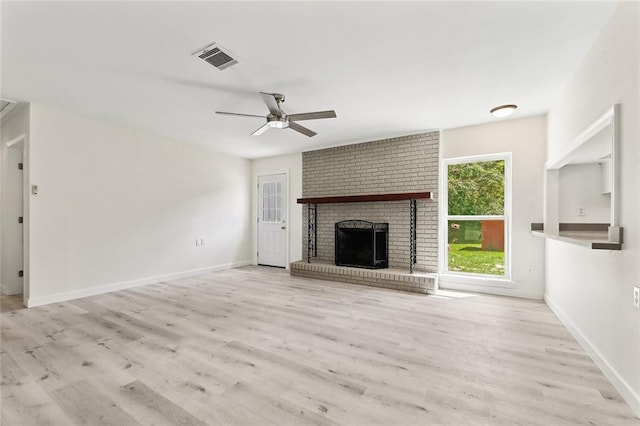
(283, 227)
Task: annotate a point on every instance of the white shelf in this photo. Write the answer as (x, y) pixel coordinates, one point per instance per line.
(591, 240)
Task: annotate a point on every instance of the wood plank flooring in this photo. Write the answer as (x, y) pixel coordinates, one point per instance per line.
(11, 303)
(255, 346)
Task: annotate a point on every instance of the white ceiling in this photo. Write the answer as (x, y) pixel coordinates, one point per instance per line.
(387, 68)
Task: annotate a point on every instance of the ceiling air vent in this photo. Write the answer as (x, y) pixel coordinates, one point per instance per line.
(217, 56)
(5, 107)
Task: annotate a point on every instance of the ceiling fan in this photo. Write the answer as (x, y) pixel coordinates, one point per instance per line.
(278, 119)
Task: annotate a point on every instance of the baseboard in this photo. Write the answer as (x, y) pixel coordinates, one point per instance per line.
(618, 382)
(107, 288)
(498, 291)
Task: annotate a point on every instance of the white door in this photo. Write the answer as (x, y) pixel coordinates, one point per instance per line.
(12, 242)
(272, 220)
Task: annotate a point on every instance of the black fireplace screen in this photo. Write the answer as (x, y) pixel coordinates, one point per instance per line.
(362, 244)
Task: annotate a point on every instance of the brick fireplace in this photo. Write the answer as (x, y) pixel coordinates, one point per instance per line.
(407, 164)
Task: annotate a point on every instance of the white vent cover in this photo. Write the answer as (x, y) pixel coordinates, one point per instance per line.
(217, 56)
(5, 107)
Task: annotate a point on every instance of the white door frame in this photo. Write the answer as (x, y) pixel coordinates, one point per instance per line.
(19, 142)
(287, 209)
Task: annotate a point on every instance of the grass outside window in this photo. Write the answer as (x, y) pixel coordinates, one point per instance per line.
(472, 259)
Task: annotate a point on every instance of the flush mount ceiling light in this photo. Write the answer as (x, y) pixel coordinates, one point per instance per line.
(503, 110)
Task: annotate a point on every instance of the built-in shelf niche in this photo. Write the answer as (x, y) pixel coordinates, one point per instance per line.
(581, 188)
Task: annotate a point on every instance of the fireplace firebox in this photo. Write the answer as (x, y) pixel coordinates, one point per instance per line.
(362, 244)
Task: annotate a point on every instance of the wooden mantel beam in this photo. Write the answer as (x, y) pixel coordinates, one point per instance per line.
(367, 198)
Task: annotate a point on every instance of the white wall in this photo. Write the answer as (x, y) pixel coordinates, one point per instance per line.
(13, 126)
(118, 208)
(525, 139)
(581, 187)
(591, 291)
(292, 166)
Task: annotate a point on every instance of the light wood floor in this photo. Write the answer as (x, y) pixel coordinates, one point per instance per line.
(11, 303)
(256, 346)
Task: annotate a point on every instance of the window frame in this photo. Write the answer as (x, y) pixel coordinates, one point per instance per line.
(499, 280)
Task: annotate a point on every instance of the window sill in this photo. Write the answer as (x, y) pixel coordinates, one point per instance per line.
(488, 281)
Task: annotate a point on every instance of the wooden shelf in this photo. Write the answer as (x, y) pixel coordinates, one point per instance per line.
(367, 198)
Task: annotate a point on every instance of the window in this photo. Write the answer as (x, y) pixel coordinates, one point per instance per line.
(272, 202)
(477, 202)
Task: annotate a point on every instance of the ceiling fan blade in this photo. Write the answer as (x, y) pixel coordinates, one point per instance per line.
(261, 130)
(271, 103)
(239, 114)
(312, 115)
(301, 129)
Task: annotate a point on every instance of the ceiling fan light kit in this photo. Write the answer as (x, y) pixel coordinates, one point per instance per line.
(503, 110)
(278, 124)
(278, 119)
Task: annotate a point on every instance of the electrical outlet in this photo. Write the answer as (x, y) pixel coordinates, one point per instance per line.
(581, 211)
(197, 243)
(201, 241)
(636, 297)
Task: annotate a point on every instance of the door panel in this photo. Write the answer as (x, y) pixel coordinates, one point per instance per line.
(272, 220)
(12, 250)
